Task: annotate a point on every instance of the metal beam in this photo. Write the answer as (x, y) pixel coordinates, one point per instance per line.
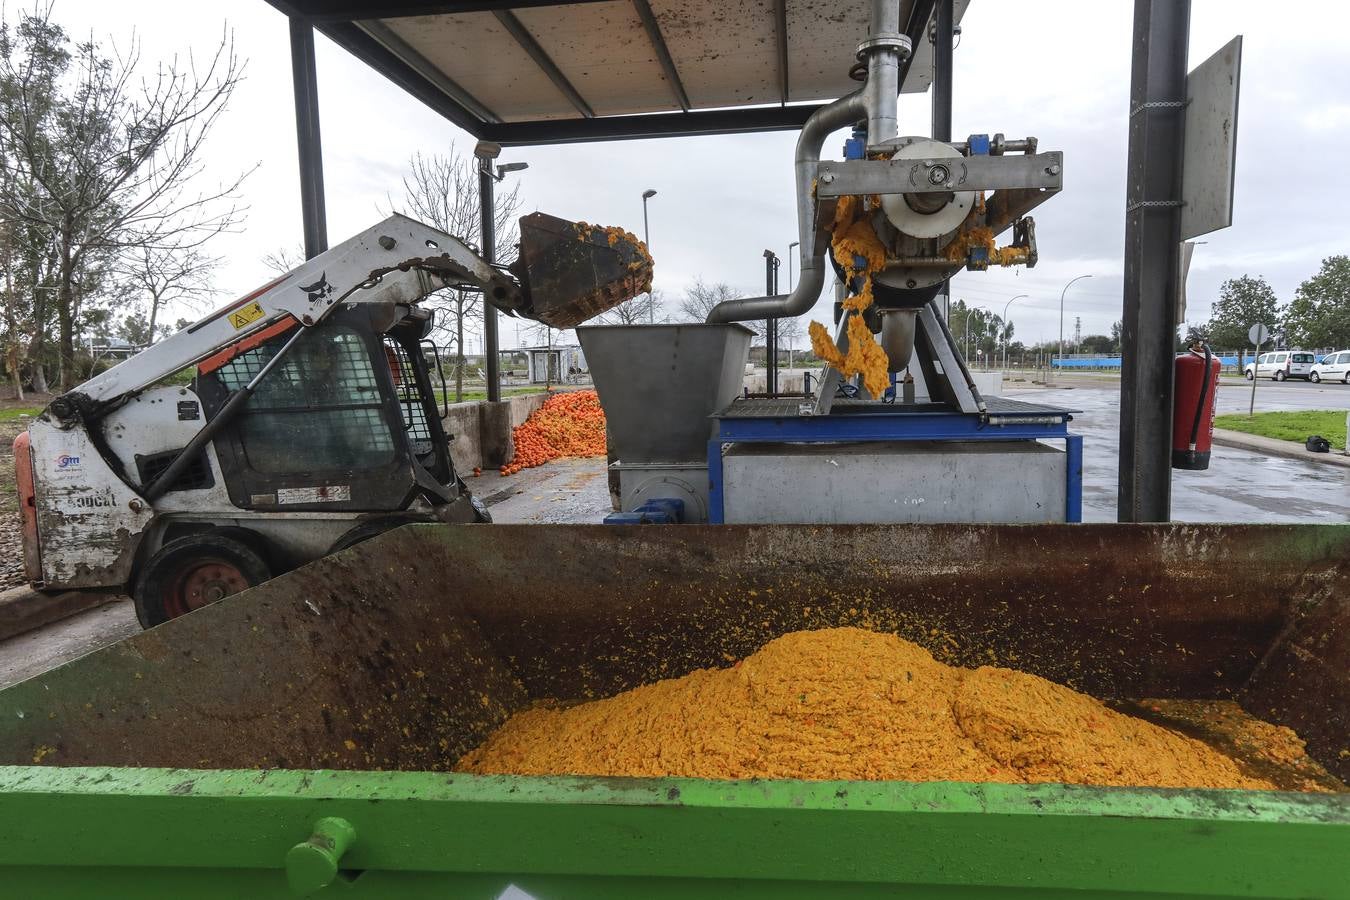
(916, 30)
(1152, 238)
(353, 10)
(421, 66)
(363, 46)
(842, 178)
(652, 125)
(307, 139)
(543, 61)
(780, 26)
(644, 11)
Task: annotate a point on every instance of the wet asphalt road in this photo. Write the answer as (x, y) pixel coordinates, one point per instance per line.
(1239, 486)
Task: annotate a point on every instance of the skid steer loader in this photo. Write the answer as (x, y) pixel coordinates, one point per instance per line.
(310, 422)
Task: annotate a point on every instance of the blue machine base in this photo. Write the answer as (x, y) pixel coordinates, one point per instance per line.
(776, 421)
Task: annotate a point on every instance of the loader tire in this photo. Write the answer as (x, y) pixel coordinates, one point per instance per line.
(365, 531)
(194, 571)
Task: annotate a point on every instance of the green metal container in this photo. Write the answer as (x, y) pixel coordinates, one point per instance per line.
(298, 738)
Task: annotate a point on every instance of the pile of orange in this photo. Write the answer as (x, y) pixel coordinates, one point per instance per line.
(568, 424)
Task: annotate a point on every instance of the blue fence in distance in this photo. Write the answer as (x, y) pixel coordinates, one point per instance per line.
(1113, 362)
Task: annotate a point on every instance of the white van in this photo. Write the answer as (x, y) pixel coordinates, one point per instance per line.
(1281, 364)
(1333, 367)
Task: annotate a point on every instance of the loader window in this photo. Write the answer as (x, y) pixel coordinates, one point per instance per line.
(320, 410)
(409, 397)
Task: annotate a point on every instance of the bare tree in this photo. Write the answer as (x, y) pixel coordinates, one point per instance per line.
(701, 297)
(283, 259)
(442, 191)
(112, 156)
(641, 310)
(165, 275)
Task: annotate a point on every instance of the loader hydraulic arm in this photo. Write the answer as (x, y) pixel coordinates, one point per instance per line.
(399, 261)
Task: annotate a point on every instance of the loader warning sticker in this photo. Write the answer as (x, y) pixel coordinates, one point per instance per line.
(246, 315)
(328, 493)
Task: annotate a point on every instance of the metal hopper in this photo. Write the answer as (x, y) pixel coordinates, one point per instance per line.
(659, 384)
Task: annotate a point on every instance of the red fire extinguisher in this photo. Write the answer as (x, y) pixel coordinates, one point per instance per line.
(1196, 383)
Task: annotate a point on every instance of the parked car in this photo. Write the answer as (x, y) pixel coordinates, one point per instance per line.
(1281, 364)
(1333, 367)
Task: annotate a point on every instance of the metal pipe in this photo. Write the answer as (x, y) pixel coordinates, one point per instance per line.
(847, 110)
(875, 101)
(882, 88)
(897, 337)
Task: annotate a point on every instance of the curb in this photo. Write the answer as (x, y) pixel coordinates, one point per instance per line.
(1276, 447)
(23, 609)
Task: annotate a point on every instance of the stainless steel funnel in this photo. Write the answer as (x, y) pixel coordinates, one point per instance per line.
(659, 384)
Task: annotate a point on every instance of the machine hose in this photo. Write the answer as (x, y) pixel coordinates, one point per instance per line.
(1204, 395)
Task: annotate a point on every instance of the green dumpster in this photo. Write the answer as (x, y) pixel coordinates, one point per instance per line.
(299, 738)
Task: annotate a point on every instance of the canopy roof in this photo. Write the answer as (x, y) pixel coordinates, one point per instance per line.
(536, 71)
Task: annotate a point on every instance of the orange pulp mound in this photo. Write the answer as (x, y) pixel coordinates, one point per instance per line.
(846, 703)
(570, 423)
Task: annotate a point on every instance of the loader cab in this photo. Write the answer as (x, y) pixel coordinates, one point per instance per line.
(346, 422)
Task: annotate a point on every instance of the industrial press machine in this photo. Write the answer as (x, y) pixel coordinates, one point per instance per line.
(897, 429)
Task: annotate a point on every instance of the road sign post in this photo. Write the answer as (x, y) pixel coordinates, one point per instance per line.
(1258, 334)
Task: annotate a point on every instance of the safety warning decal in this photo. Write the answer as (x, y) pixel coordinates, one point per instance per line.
(328, 493)
(246, 315)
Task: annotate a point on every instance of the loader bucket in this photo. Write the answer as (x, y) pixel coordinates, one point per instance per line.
(570, 272)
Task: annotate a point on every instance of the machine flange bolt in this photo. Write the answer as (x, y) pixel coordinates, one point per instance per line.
(1052, 169)
(827, 178)
(313, 864)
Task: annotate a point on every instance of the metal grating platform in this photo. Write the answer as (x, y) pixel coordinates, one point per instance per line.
(790, 407)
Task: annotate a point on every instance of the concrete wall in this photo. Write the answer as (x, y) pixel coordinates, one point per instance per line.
(481, 431)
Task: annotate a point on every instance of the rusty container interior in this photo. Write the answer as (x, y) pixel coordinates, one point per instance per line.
(406, 651)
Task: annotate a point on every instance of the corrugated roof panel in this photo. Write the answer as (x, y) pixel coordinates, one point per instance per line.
(726, 52)
(605, 53)
(822, 38)
(477, 52)
(921, 68)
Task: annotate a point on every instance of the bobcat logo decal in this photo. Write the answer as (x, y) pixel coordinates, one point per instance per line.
(319, 289)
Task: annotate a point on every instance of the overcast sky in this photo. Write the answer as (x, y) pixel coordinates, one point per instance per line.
(1056, 69)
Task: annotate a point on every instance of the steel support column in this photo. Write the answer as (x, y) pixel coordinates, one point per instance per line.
(942, 70)
(488, 231)
(771, 325)
(943, 26)
(307, 138)
(1152, 236)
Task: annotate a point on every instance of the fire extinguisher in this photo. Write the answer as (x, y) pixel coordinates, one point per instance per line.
(1196, 383)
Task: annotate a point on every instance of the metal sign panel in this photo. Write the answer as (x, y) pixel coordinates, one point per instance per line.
(1209, 157)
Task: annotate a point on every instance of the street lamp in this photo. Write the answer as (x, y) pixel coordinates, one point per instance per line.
(969, 310)
(648, 194)
(1061, 315)
(1005, 327)
(792, 246)
(486, 152)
